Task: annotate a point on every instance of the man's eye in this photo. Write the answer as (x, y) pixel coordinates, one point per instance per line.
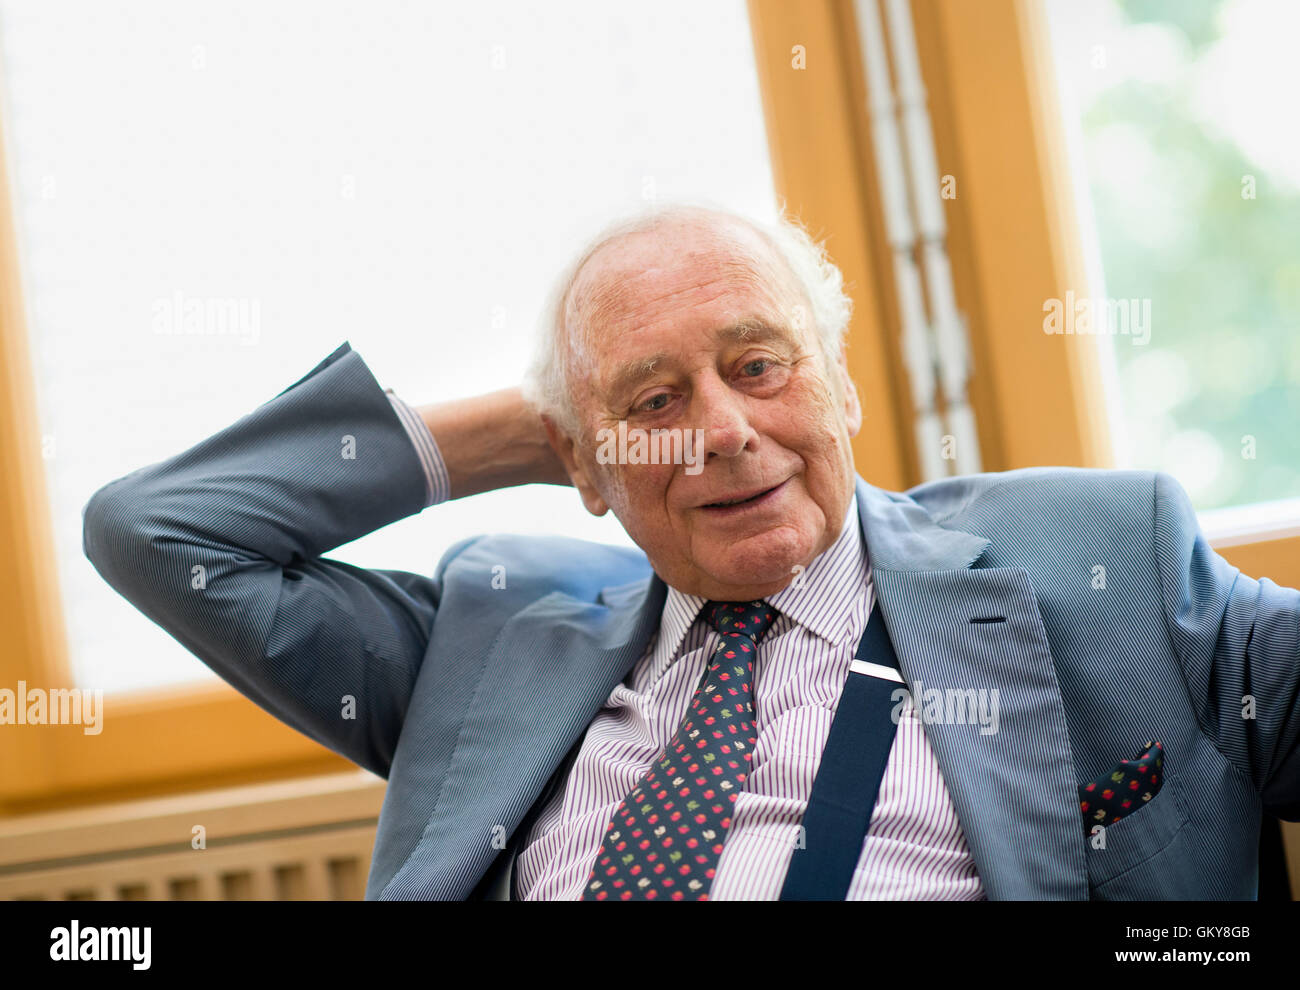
(648, 405)
(763, 363)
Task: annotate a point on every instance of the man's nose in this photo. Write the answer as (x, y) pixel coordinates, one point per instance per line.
(720, 412)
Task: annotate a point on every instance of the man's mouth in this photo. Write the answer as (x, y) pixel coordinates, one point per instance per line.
(751, 498)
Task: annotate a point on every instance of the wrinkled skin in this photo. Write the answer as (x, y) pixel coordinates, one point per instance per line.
(773, 410)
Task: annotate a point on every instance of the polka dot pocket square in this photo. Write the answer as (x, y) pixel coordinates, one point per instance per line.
(1122, 791)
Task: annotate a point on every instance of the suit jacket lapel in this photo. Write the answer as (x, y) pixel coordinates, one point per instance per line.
(1014, 789)
(550, 671)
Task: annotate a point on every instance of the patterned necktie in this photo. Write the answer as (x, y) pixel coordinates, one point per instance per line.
(666, 836)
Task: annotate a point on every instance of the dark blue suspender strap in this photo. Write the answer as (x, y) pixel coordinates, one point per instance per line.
(848, 777)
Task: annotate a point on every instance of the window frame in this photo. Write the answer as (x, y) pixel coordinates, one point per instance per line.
(1018, 243)
(61, 766)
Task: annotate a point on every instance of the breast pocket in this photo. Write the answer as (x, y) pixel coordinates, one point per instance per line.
(1139, 837)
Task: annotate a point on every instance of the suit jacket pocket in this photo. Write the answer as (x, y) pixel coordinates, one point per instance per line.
(1137, 837)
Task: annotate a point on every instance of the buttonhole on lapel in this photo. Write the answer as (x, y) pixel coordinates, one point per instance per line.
(991, 618)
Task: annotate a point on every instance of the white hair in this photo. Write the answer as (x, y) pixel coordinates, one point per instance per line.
(547, 387)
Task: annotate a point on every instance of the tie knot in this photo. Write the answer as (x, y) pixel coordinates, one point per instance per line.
(752, 619)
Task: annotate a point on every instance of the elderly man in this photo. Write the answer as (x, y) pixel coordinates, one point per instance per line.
(760, 703)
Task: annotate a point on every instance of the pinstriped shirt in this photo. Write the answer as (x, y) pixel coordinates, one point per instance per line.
(914, 847)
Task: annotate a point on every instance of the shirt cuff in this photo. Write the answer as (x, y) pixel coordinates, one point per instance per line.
(437, 484)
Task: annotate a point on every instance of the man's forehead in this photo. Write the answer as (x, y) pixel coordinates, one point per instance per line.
(723, 240)
(659, 266)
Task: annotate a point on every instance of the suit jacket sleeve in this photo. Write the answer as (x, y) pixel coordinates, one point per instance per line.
(1238, 639)
(221, 546)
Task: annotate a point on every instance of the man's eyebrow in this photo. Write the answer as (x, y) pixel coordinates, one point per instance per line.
(750, 331)
(753, 330)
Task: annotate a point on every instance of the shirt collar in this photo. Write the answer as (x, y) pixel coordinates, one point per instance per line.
(820, 600)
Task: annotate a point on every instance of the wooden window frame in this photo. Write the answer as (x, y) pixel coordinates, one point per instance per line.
(152, 743)
(1013, 236)
(1012, 239)
(1020, 244)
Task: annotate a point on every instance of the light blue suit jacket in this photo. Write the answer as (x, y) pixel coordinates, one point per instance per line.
(468, 697)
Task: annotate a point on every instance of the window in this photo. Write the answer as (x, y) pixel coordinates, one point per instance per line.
(1187, 157)
(408, 178)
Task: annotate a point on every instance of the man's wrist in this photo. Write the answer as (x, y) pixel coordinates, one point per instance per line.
(492, 441)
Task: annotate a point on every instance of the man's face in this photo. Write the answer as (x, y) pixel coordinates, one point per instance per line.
(732, 351)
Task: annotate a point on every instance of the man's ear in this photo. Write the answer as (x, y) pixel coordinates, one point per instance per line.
(852, 404)
(566, 451)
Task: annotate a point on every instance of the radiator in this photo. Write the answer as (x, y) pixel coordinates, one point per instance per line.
(306, 839)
